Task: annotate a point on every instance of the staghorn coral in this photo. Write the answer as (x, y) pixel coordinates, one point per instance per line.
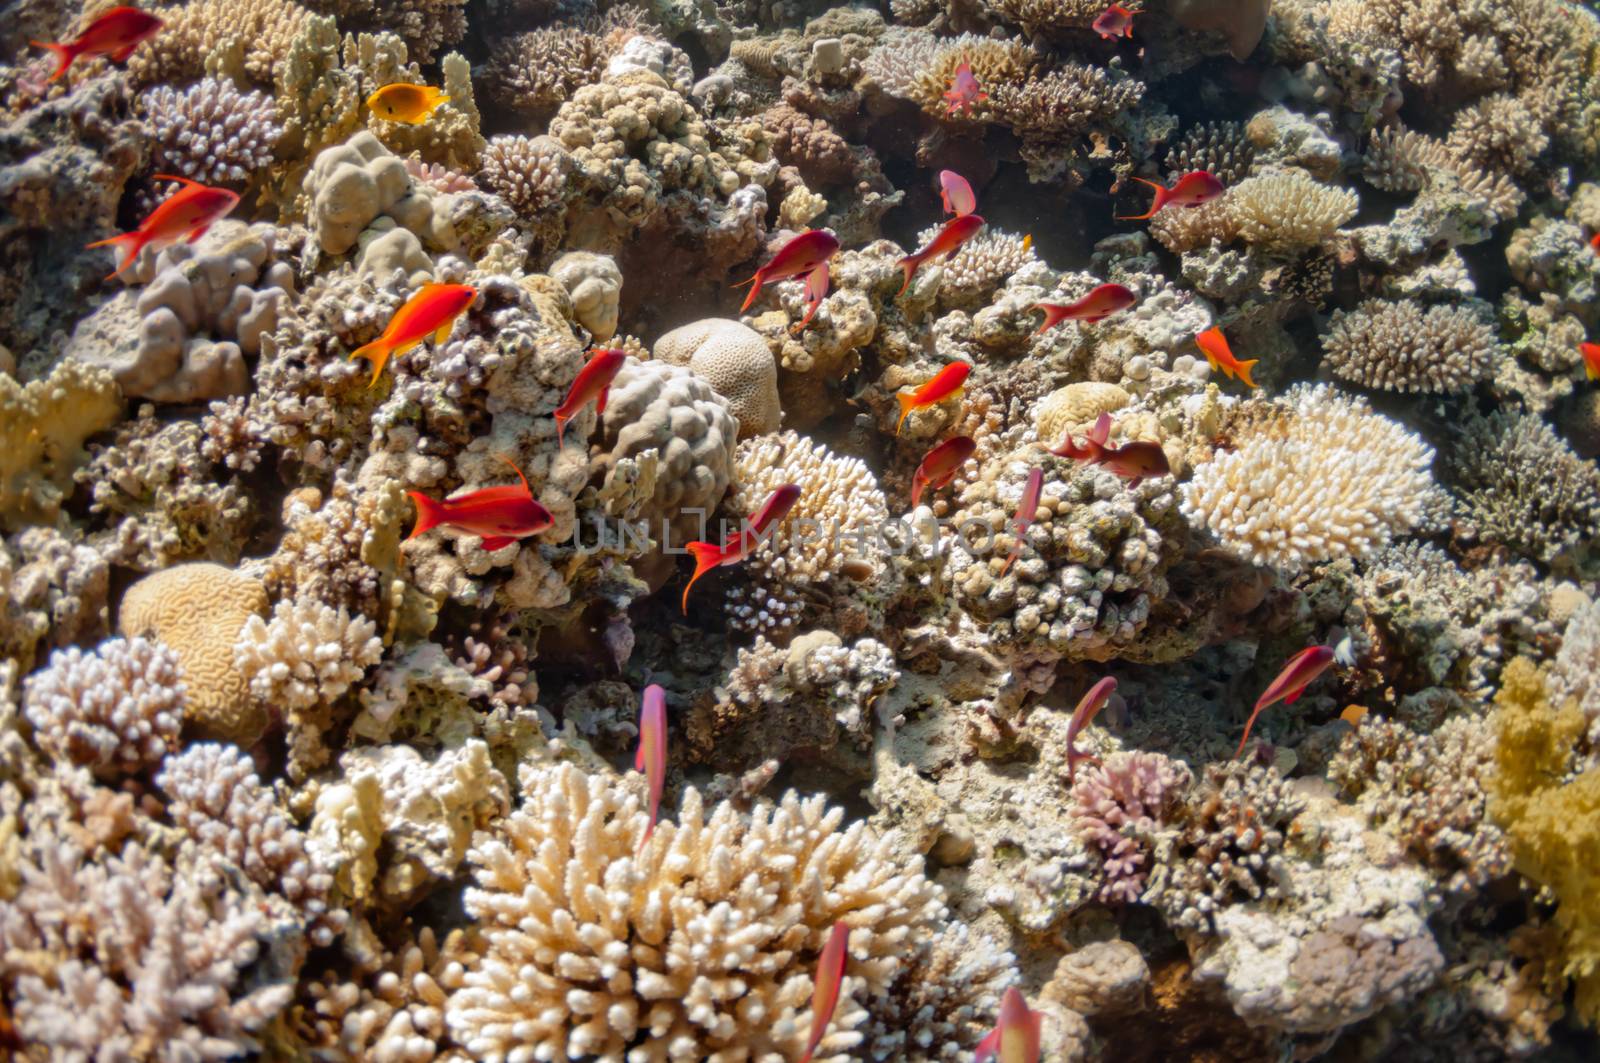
(1119, 808)
(211, 131)
(1397, 346)
(1319, 476)
(117, 710)
(1523, 486)
(43, 425)
(738, 365)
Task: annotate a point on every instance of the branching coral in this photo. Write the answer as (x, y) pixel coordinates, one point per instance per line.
(529, 172)
(116, 710)
(309, 653)
(536, 72)
(221, 38)
(1219, 148)
(1396, 346)
(1317, 477)
(211, 131)
(1120, 807)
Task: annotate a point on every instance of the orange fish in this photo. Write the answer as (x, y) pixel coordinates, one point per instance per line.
(432, 311)
(816, 292)
(593, 382)
(1135, 462)
(799, 256)
(743, 542)
(945, 384)
(403, 102)
(1089, 707)
(116, 34)
(652, 756)
(1027, 509)
(947, 242)
(1353, 714)
(825, 993)
(964, 91)
(1192, 190)
(1105, 300)
(1114, 21)
(499, 515)
(1214, 345)
(1016, 1036)
(1594, 242)
(957, 195)
(939, 465)
(1591, 359)
(186, 214)
(1301, 671)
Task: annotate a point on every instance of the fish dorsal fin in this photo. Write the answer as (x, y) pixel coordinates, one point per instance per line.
(519, 473)
(186, 181)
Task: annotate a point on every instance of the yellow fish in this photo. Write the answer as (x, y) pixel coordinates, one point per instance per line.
(401, 102)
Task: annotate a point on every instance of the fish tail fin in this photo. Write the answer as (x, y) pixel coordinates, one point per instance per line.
(1244, 372)
(1593, 370)
(1016, 552)
(561, 430)
(377, 352)
(755, 282)
(1101, 432)
(908, 402)
(430, 514)
(64, 54)
(128, 246)
(917, 485)
(707, 556)
(909, 264)
(1054, 314)
(1162, 196)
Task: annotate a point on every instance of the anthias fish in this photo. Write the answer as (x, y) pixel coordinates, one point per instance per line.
(430, 312)
(404, 102)
(945, 384)
(1591, 359)
(652, 756)
(825, 990)
(593, 383)
(499, 515)
(940, 465)
(1594, 242)
(1115, 21)
(964, 92)
(739, 545)
(1016, 1036)
(798, 257)
(1089, 707)
(1192, 190)
(184, 215)
(1301, 671)
(956, 194)
(1135, 462)
(1214, 345)
(114, 34)
(1105, 300)
(1027, 509)
(947, 242)
(816, 292)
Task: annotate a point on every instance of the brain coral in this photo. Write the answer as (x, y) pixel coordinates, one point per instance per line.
(736, 362)
(1396, 346)
(1323, 477)
(198, 610)
(1075, 405)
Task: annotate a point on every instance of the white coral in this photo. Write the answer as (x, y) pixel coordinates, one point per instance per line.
(117, 709)
(308, 654)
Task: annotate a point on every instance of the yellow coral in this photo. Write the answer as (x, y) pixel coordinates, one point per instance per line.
(42, 428)
(1554, 826)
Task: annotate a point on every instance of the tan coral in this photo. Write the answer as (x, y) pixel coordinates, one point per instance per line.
(220, 37)
(1075, 406)
(738, 365)
(1397, 347)
(1289, 211)
(43, 425)
(594, 284)
(198, 610)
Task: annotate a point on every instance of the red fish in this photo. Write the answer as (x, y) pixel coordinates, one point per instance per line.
(1301, 671)
(1135, 462)
(186, 214)
(957, 195)
(1114, 21)
(740, 544)
(825, 993)
(1105, 300)
(499, 515)
(964, 90)
(816, 292)
(1016, 1036)
(593, 382)
(1089, 707)
(432, 311)
(1594, 242)
(1214, 345)
(1591, 359)
(1027, 509)
(1192, 190)
(945, 384)
(939, 465)
(652, 756)
(799, 256)
(116, 34)
(956, 232)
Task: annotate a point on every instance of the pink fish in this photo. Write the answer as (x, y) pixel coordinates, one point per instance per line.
(592, 383)
(1105, 300)
(816, 292)
(796, 258)
(964, 90)
(940, 465)
(1089, 707)
(1016, 1037)
(957, 195)
(947, 242)
(652, 756)
(1192, 190)
(825, 993)
(1026, 510)
(740, 544)
(1301, 671)
(499, 515)
(1115, 21)
(1135, 462)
